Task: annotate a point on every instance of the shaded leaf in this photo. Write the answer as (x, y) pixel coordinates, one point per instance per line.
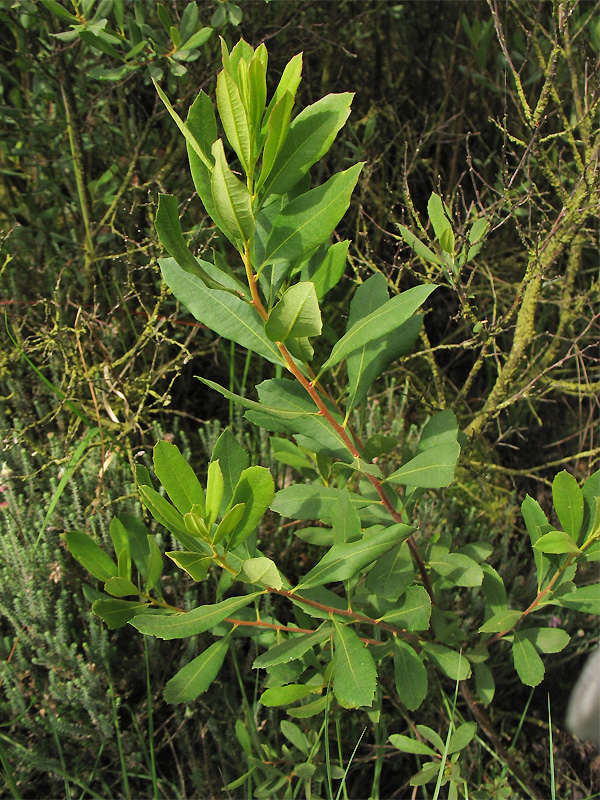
(91, 556)
(410, 676)
(294, 648)
(195, 564)
(117, 613)
(412, 611)
(197, 676)
(528, 664)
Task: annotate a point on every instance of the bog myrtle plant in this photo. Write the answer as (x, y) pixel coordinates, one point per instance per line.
(378, 600)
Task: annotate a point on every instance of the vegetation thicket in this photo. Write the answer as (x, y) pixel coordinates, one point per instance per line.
(380, 502)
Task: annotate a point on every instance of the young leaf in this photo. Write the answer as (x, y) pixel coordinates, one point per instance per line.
(197, 676)
(91, 556)
(296, 314)
(412, 611)
(310, 136)
(233, 460)
(231, 198)
(117, 613)
(354, 671)
(164, 513)
(214, 492)
(386, 318)
(262, 571)
(234, 119)
(177, 477)
(310, 219)
(291, 650)
(345, 560)
(438, 216)
(431, 468)
(229, 522)
(289, 82)
(195, 564)
(419, 248)
(528, 664)
(256, 490)
(189, 137)
(410, 675)
(279, 124)
(568, 502)
(257, 79)
(535, 519)
(224, 314)
(191, 623)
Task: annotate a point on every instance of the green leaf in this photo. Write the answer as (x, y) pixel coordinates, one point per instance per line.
(197, 676)
(256, 490)
(229, 522)
(410, 675)
(286, 414)
(591, 500)
(177, 477)
(407, 745)
(493, 589)
(308, 709)
(438, 216)
(455, 665)
(327, 271)
(354, 671)
(284, 695)
(310, 136)
(568, 503)
(585, 599)
(195, 564)
(440, 429)
(120, 587)
(529, 666)
(310, 219)
(168, 228)
(392, 574)
(345, 521)
(534, 520)
(345, 560)
(262, 571)
(191, 140)
(214, 492)
(412, 611)
(457, 568)
(432, 468)
(477, 234)
(291, 650)
(504, 620)
(117, 613)
(484, 683)
(296, 314)
(137, 535)
(301, 501)
(233, 460)
(223, 313)
(279, 124)
(556, 542)
(155, 564)
(419, 248)
(546, 640)
(119, 537)
(234, 119)
(167, 515)
(386, 318)
(191, 623)
(462, 737)
(91, 556)
(231, 198)
(289, 82)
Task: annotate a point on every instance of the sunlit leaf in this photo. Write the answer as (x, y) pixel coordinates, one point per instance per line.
(354, 671)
